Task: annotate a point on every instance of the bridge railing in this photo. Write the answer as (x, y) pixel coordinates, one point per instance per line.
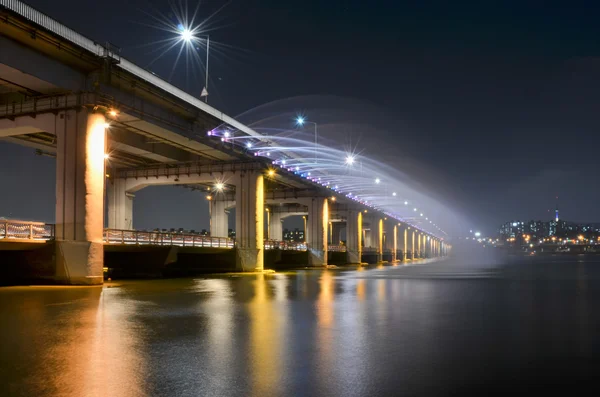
(25, 230)
(336, 248)
(285, 245)
(135, 237)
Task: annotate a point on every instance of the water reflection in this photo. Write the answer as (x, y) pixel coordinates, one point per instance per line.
(354, 333)
(267, 340)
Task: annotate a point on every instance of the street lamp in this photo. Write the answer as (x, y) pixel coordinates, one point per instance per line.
(300, 120)
(188, 36)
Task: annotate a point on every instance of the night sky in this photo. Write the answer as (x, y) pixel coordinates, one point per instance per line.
(493, 105)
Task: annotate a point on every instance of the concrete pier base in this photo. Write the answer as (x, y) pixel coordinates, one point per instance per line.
(79, 263)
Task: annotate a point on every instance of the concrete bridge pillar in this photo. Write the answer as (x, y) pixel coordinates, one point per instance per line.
(395, 243)
(80, 177)
(219, 217)
(354, 232)
(318, 223)
(249, 220)
(378, 237)
(368, 234)
(404, 243)
(120, 205)
(388, 237)
(412, 244)
(276, 226)
(336, 232)
(419, 254)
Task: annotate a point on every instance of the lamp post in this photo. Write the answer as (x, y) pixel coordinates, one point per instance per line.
(188, 36)
(301, 121)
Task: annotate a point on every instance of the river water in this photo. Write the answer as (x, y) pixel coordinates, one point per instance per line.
(486, 326)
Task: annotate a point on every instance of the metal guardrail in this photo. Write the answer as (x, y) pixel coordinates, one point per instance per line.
(24, 230)
(336, 248)
(39, 231)
(134, 237)
(285, 245)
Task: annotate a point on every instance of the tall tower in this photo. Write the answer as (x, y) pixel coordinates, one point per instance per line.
(556, 211)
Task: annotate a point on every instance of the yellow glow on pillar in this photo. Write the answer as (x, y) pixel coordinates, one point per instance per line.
(394, 254)
(325, 224)
(405, 246)
(260, 220)
(380, 232)
(94, 176)
(360, 232)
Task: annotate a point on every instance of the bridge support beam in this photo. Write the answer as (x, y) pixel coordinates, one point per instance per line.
(80, 177)
(120, 205)
(354, 232)
(318, 223)
(412, 244)
(249, 222)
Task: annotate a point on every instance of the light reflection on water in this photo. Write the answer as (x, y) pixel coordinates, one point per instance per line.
(363, 332)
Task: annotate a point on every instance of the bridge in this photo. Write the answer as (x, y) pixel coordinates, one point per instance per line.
(116, 128)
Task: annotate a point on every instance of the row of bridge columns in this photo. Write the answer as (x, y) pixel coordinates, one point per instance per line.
(80, 190)
(363, 231)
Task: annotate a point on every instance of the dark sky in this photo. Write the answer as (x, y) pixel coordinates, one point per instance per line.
(492, 104)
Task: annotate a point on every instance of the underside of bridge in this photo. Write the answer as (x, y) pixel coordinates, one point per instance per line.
(111, 125)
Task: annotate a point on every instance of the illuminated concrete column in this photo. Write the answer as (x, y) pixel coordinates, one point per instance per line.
(395, 243)
(412, 245)
(388, 240)
(419, 245)
(405, 244)
(249, 220)
(354, 236)
(305, 230)
(219, 217)
(318, 223)
(377, 236)
(120, 205)
(80, 196)
(424, 246)
(276, 226)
